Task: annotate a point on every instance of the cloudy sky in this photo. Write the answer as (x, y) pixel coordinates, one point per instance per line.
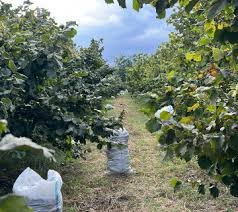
(124, 31)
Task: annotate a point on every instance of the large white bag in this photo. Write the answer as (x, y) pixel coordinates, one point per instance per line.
(41, 195)
(118, 155)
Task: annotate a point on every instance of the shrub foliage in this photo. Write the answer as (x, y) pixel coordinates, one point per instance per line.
(196, 73)
(49, 90)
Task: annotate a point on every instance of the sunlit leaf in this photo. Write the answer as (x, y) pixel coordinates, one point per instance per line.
(193, 107)
(11, 65)
(171, 74)
(217, 54)
(136, 5)
(187, 120)
(10, 203)
(3, 126)
(192, 56)
(210, 28)
(164, 116)
(176, 184)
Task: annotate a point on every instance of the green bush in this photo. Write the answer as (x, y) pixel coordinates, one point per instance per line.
(196, 73)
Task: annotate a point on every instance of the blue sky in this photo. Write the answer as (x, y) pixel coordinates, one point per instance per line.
(130, 33)
(124, 31)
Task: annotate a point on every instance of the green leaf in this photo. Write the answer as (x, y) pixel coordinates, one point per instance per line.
(176, 184)
(204, 162)
(162, 15)
(193, 56)
(136, 5)
(201, 189)
(99, 146)
(2, 18)
(187, 120)
(189, 154)
(183, 3)
(217, 54)
(109, 1)
(10, 203)
(11, 65)
(7, 103)
(193, 107)
(211, 108)
(79, 74)
(235, 52)
(153, 125)
(216, 8)
(160, 7)
(71, 33)
(210, 28)
(3, 126)
(161, 137)
(181, 148)
(165, 116)
(169, 154)
(227, 180)
(204, 41)
(214, 191)
(122, 3)
(225, 35)
(170, 136)
(233, 143)
(191, 5)
(234, 190)
(171, 75)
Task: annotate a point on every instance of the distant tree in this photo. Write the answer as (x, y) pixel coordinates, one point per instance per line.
(91, 57)
(121, 64)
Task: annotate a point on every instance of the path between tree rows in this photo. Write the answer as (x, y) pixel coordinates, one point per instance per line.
(87, 188)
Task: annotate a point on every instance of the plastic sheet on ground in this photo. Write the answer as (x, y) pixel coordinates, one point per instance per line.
(109, 107)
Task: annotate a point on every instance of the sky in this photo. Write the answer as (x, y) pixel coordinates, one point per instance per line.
(124, 31)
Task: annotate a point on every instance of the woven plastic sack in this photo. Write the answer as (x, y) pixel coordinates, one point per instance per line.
(41, 195)
(118, 155)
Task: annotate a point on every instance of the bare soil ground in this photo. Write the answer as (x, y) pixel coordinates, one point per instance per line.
(88, 188)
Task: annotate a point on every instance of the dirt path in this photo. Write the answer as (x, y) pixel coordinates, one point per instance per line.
(87, 188)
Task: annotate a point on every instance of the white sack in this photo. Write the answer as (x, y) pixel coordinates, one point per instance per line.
(42, 195)
(118, 155)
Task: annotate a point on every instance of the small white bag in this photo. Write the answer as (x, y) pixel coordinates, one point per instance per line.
(41, 195)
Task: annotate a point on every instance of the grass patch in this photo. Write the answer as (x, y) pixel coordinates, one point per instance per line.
(88, 188)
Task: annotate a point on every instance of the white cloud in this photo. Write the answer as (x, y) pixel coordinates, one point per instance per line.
(152, 33)
(124, 31)
(87, 13)
(94, 21)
